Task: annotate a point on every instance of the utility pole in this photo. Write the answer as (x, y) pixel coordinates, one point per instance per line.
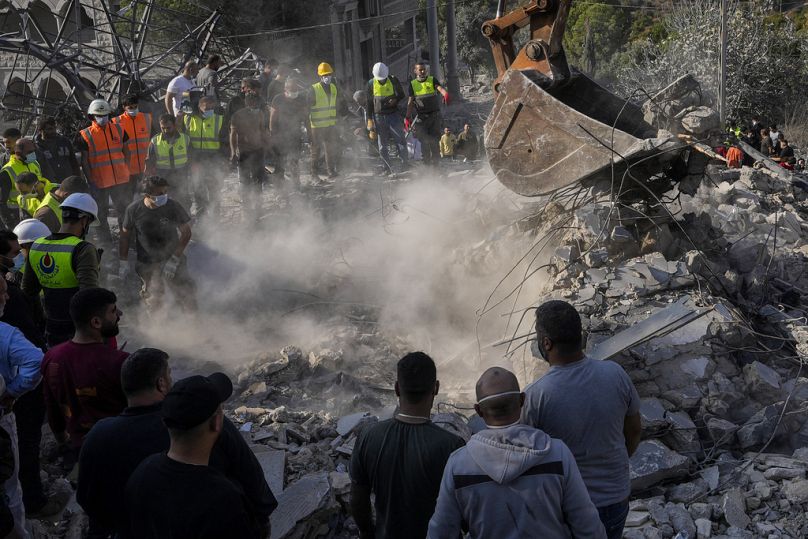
(434, 38)
(722, 74)
(452, 80)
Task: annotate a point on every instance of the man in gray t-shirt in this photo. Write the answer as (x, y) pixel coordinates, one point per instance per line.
(591, 405)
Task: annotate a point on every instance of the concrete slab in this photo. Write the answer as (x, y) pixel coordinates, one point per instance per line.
(273, 463)
(303, 498)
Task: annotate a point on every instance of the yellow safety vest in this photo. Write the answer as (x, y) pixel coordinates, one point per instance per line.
(50, 201)
(52, 262)
(15, 167)
(324, 111)
(204, 132)
(426, 95)
(383, 90)
(171, 155)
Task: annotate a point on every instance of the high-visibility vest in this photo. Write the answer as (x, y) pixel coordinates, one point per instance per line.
(52, 262)
(171, 155)
(138, 129)
(204, 132)
(381, 92)
(14, 168)
(108, 166)
(426, 95)
(31, 202)
(324, 111)
(50, 201)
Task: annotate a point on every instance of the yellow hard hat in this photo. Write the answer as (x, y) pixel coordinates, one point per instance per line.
(324, 69)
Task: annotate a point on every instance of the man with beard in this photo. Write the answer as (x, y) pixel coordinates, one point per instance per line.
(82, 377)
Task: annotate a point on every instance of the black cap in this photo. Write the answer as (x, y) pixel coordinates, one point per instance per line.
(193, 400)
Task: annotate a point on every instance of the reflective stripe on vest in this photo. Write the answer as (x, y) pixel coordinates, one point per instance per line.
(171, 155)
(15, 167)
(52, 262)
(324, 111)
(204, 132)
(108, 166)
(426, 96)
(138, 129)
(51, 202)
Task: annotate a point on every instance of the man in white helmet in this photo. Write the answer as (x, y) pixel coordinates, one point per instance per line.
(384, 93)
(105, 157)
(61, 264)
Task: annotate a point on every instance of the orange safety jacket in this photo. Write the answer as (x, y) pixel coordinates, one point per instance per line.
(138, 129)
(108, 166)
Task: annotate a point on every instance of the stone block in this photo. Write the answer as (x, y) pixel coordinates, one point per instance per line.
(796, 491)
(763, 382)
(760, 427)
(273, 463)
(303, 498)
(652, 414)
(704, 528)
(654, 462)
(734, 508)
(722, 432)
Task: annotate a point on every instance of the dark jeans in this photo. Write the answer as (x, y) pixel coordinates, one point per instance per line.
(121, 196)
(614, 518)
(251, 177)
(29, 413)
(427, 130)
(287, 159)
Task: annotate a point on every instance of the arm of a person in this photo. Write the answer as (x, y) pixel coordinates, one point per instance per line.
(233, 142)
(74, 163)
(399, 90)
(273, 119)
(87, 265)
(579, 511)
(30, 284)
(169, 102)
(123, 244)
(632, 432)
(446, 521)
(46, 215)
(185, 237)
(53, 405)
(361, 510)
(28, 360)
(410, 106)
(369, 100)
(150, 163)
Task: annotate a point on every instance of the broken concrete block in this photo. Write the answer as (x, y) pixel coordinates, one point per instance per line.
(796, 491)
(686, 492)
(734, 508)
(763, 382)
(636, 519)
(350, 423)
(654, 462)
(704, 528)
(700, 120)
(596, 257)
(760, 427)
(722, 432)
(652, 414)
(340, 482)
(303, 498)
(681, 520)
(778, 474)
(273, 463)
(699, 368)
(683, 437)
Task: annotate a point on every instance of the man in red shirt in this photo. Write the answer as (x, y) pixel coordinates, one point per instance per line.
(82, 377)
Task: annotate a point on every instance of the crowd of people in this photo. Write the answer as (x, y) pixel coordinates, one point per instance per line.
(769, 141)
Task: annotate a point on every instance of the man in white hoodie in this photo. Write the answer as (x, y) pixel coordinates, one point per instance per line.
(510, 480)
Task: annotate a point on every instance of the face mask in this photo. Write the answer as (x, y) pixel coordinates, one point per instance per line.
(421, 78)
(19, 261)
(207, 113)
(292, 95)
(160, 200)
(327, 79)
(30, 157)
(102, 120)
(132, 112)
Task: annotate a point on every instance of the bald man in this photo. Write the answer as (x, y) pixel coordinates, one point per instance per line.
(510, 480)
(179, 85)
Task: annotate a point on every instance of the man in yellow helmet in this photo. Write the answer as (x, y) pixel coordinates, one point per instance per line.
(326, 103)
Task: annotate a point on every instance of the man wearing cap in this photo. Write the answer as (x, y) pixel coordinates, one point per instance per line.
(513, 466)
(61, 264)
(116, 446)
(401, 460)
(177, 494)
(602, 428)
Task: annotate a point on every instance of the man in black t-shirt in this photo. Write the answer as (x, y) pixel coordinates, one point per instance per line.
(177, 494)
(162, 230)
(287, 119)
(401, 460)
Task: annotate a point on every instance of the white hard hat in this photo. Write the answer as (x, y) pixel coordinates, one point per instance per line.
(380, 71)
(81, 202)
(30, 230)
(99, 107)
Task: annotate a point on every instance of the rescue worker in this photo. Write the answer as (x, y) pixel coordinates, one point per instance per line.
(326, 103)
(424, 102)
(105, 158)
(249, 131)
(23, 159)
(138, 127)
(384, 94)
(49, 211)
(205, 129)
(162, 230)
(10, 138)
(61, 264)
(28, 231)
(287, 118)
(32, 190)
(169, 157)
(57, 151)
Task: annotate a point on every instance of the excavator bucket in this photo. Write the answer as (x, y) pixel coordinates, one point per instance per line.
(542, 136)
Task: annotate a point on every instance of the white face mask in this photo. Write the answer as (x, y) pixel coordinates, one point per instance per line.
(160, 200)
(30, 157)
(19, 262)
(292, 95)
(102, 120)
(327, 79)
(132, 112)
(207, 113)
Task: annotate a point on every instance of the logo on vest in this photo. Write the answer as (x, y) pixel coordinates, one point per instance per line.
(48, 266)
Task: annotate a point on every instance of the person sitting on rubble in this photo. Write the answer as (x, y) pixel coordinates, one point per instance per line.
(178, 493)
(592, 406)
(82, 377)
(401, 460)
(786, 151)
(512, 465)
(162, 230)
(766, 146)
(116, 446)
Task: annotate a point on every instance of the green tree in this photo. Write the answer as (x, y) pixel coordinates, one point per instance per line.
(609, 28)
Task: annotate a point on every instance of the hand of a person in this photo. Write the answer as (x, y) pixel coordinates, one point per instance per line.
(170, 269)
(447, 98)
